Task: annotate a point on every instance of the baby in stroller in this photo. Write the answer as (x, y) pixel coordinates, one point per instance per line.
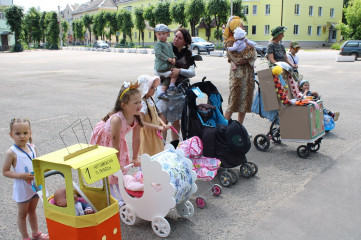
(305, 88)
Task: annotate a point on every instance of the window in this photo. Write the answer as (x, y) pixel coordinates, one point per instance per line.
(319, 11)
(295, 29)
(266, 29)
(332, 12)
(254, 29)
(2, 15)
(310, 11)
(352, 44)
(297, 9)
(309, 30)
(268, 9)
(318, 30)
(246, 29)
(245, 10)
(150, 35)
(135, 35)
(254, 9)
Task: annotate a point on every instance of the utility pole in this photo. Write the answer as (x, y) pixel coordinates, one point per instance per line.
(231, 7)
(282, 14)
(60, 35)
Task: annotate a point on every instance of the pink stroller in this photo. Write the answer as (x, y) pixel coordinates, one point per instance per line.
(205, 167)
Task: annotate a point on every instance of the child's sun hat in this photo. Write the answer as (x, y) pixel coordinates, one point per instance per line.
(145, 82)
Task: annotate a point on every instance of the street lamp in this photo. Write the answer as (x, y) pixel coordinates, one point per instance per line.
(60, 36)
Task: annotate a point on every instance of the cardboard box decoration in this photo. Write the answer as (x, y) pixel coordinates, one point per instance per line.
(268, 90)
(302, 122)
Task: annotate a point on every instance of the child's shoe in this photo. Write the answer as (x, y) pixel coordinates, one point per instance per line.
(336, 116)
(40, 236)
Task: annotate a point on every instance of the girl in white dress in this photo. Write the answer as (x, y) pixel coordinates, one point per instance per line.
(20, 156)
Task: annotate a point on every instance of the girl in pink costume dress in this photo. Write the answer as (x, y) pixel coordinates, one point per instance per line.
(111, 131)
(20, 157)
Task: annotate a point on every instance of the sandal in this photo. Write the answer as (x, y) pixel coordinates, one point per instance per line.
(40, 236)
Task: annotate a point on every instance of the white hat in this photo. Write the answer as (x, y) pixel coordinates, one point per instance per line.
(145, 82)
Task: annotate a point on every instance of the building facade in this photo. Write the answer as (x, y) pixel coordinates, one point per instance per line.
(7, 38)
(312, 23)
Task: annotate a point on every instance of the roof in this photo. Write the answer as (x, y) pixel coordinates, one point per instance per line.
(95, 4)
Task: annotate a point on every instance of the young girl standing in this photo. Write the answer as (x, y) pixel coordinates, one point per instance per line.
(150, 142)
(111, 131)
(20, 157)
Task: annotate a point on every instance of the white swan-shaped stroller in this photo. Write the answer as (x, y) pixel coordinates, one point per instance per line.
(173, 172)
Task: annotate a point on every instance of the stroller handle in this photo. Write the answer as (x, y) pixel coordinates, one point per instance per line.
(128, 166)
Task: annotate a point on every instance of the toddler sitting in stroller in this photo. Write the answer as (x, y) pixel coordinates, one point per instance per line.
(304, 87)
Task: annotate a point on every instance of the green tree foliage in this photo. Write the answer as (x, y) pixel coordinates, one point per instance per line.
(353, 19)
(178, 14)
(32, 28)
(238, 9)
(139, 23)
(52, 30)
(150, 17)
(219, 10)
(113, 24)
(195, 9)
(42, 25)
(79, 29)
(100, 22)
(73, 29)
(162, 13)
(14, 19)
(127, 24)
(65, 28)
(87, 22)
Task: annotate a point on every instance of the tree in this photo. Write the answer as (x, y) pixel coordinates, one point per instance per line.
(65, 28)
(207, 23)
(32, 26)
(73, 29)
(42, 25)
(113, 25)
(100, 23)
(178, 14)
(238, 9)
(353, 18)
(87, 22)
(162, 13)
(219, 10)
(52, 30)
(150, 17)
(127, 23)
(14, 19)
(195, 11)
(139, 23)
(79, 29)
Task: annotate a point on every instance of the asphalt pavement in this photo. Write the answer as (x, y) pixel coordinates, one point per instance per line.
(289, 198)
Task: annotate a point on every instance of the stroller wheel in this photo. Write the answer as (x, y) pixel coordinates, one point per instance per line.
(254, 168)
(127, 215)
(261, 142)
(315, 147)
(225, 178)
(185, 210)
(161, 226)
(235, 175)
(246, 170)
(303, 151)
(217, 190)
(201, 202)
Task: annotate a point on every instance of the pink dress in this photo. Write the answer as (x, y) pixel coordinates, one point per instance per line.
(102, 136)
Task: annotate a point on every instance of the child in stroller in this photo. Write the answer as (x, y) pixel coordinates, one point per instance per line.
(225, 140)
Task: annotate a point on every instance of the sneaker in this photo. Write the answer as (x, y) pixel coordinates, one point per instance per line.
(163, 96)
(336, 116)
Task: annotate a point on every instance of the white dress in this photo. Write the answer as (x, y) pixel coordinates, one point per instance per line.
(23, 191)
